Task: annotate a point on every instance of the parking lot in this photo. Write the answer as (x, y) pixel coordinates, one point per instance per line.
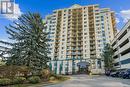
(93, 81)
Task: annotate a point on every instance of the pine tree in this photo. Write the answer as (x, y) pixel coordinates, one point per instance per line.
(29, 42)
(108, 57)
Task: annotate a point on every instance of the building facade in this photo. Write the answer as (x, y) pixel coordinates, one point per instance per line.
(121, 47)
(79, 33)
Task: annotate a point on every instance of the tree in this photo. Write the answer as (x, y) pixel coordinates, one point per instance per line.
(29, 43)
(108, 57)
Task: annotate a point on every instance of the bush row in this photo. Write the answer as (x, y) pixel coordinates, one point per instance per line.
(19, 80)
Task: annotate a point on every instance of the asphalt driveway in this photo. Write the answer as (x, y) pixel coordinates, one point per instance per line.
(93, 81)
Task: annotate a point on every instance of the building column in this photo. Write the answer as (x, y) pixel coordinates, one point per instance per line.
(120, 60)
(96, 63)
(129, 37)
(70, 67)
(63, 71)
(102, 64)
(52, 62)
(58, 67)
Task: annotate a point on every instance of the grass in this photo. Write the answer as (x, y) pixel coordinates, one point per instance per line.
(42, 83)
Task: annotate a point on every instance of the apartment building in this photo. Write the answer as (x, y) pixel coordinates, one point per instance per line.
(79, 33)
(121, 47)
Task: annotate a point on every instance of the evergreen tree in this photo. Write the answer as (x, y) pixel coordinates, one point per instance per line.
(108, 57)
(29, 42)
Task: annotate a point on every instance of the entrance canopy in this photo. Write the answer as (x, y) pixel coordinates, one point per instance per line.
(83, 64)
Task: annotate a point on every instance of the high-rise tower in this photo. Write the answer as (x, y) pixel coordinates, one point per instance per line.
(79, 33)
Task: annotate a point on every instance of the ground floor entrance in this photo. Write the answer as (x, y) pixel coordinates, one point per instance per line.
(83, 67)
(83, 71)
(76, 66)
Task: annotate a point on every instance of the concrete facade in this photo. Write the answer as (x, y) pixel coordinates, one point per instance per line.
(79, 33)
(121, 47)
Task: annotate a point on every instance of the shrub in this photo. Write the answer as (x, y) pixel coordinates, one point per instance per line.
(19, 80)
(52, 78)
(34, 79)
(12, 71)
(5, 82)
(24, 70)
(45, 73)
(58, 77)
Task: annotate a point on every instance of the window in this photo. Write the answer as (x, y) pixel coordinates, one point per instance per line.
(99, 40)
(85, 25)
(85, 33)
(102, 19)
(63, 35)
(85, 18)
(85, 21)
(84, 7)
(97, 24)
(85, 15)
(99, 32)
(97, 20)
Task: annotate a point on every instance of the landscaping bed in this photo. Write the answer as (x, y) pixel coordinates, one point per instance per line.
(21, 76)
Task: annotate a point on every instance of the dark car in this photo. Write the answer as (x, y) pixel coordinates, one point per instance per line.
(113, 74)
(116, 73)
(121, 72)
(107, 73)
(126, 74)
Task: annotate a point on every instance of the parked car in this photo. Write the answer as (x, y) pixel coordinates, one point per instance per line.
(116, 73)
(112, 74)
(108, 72)
(121, 72)
(126, 74)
